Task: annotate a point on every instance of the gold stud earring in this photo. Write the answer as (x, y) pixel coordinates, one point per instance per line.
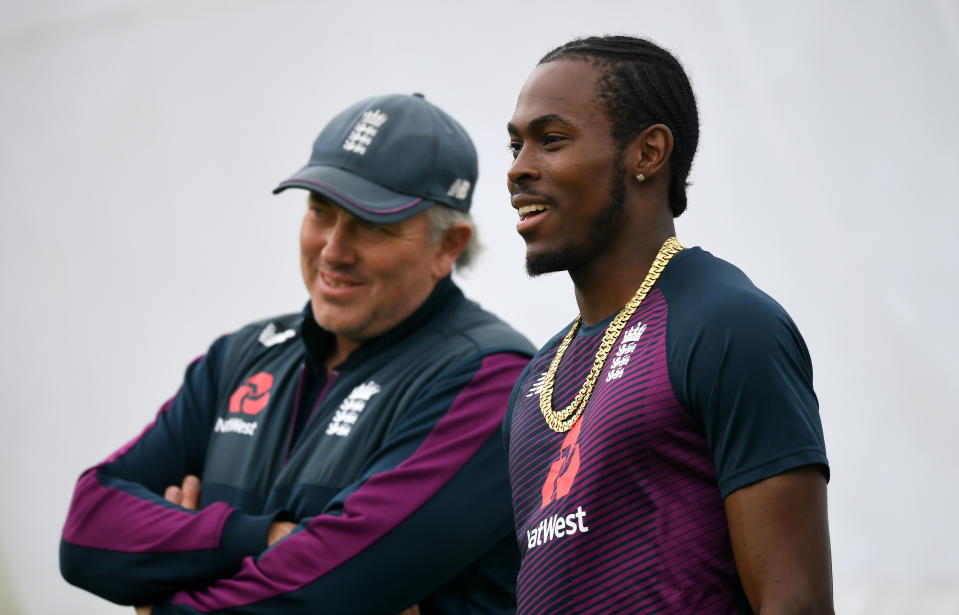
(640, 178)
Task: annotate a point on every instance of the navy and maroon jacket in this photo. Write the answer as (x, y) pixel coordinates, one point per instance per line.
(392, 468)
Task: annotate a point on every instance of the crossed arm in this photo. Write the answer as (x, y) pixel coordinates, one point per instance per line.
(127, 540)
(188, 496)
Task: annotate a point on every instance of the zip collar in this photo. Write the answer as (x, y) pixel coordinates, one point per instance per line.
(318, 342)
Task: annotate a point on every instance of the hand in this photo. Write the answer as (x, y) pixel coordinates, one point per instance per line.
(187, 496)
(279, 530)
(146, 609)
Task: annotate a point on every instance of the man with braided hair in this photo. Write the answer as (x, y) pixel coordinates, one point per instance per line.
(665, 449)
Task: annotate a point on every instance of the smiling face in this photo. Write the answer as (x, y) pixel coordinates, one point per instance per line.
(365, 278)
(567, 180)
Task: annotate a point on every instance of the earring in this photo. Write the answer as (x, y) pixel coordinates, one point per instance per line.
(640, 178)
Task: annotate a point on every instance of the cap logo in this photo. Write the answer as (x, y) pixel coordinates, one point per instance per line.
(363, 131)
(459, 189)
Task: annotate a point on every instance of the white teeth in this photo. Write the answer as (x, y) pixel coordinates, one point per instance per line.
(335, 284)
(526, 210)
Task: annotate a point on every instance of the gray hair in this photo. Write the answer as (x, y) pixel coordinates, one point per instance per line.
(442, 217)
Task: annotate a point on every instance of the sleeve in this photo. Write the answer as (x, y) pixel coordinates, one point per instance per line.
(123, 541)
(742, 370)
(431, 501)
(508, 420)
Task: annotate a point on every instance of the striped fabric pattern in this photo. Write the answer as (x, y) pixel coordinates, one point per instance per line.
(622, 513)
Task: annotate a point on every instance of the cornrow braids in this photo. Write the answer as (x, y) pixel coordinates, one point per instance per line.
(642, 84)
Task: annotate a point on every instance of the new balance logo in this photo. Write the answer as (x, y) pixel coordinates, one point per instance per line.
(350, 409)
(459, 189)
(269, 336)
(363, 131)
(537, 387)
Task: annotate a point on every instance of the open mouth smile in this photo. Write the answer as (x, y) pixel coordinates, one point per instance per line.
(338, 281)
(525, 211)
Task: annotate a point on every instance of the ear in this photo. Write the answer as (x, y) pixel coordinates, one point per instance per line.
(448, 249)
(649, 152)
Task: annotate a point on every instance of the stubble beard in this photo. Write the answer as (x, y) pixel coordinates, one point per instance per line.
(570, 257)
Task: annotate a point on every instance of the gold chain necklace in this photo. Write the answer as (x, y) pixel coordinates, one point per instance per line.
(564, 419)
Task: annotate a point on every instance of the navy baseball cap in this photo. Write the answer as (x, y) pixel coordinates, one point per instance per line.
(387, 158)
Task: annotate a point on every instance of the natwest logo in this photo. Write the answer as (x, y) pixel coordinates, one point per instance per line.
(253, 395)
(557, 526)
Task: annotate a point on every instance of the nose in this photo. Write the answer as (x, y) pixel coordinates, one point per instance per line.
(339, 243)
(523, 169)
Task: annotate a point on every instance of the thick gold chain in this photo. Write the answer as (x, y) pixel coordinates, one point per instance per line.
(564, 419)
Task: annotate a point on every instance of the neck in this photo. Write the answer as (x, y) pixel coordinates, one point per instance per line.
(606, 284)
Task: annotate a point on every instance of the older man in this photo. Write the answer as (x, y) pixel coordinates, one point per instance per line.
(348, 454)
(665, 448)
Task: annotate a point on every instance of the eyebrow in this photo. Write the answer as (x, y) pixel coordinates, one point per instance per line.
(538, 123)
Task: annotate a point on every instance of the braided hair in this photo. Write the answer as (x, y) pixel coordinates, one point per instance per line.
(642, 84)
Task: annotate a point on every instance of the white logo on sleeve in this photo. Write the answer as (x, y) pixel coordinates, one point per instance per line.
(350, 409)
(363, 131)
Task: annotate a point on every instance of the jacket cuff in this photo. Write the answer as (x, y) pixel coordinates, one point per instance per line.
(244, 536)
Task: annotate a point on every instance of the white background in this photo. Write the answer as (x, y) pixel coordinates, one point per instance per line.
(139, 142)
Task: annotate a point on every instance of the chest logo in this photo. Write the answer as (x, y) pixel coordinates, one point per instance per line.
(350, 409)
(562, 472)
(253, 395)
(269, 336)
(626, 347)
(537, 387)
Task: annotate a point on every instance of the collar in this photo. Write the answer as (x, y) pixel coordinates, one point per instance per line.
(319, 342)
